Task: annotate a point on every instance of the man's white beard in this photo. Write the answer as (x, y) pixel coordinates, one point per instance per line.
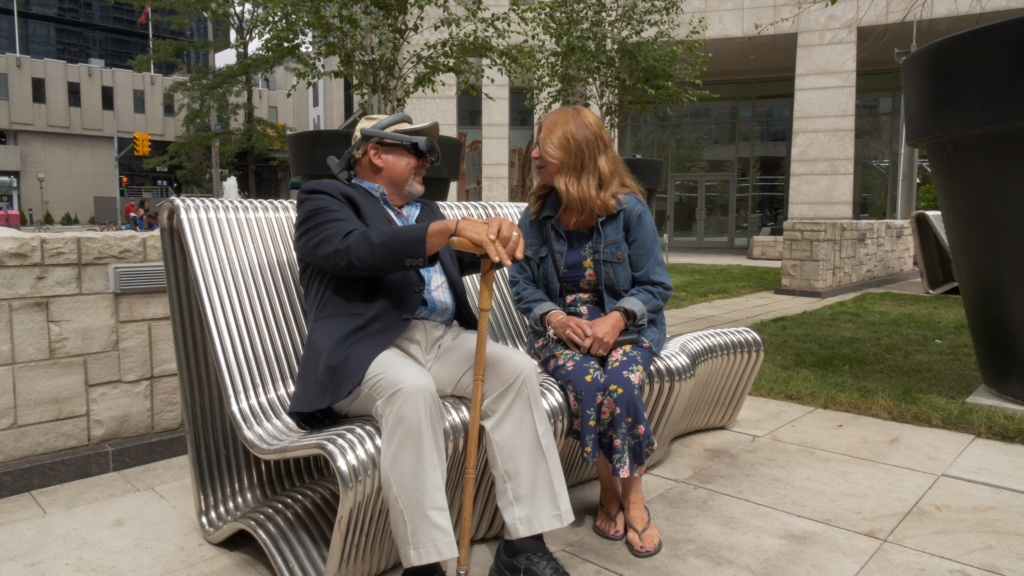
(412, 189)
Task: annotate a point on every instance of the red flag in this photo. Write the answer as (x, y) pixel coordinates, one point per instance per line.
(145, 15)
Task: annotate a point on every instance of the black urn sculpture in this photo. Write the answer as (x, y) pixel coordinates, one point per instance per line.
(649, 173)
(308, 152)
(964, 98)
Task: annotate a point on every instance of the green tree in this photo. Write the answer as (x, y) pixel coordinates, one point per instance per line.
(388, 49)
(926, 198)
(48, 218)
(615, 56)
(241, 26)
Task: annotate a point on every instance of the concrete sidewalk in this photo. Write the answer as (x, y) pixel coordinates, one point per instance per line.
(720, 257)
(787, 490)
(753, 308)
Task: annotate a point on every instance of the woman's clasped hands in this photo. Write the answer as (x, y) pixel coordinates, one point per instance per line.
(589, 337)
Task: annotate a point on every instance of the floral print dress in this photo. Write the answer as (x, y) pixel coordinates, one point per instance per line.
(606, 408)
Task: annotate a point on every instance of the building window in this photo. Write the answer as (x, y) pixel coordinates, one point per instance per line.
(107, 95)
(3, 87)
(876, 145)
(520, 145)
(168, 104)
(316, 94)
(272, 114)
(743, 134)
(39, 90)
(350, 106)
(74, 95)
(3, 137)
(139, 100)
(269, 82)
(470, 117)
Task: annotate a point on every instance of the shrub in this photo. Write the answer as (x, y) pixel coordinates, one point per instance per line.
(75, 219)
(926, 199)
(92, 219)
(48, 218)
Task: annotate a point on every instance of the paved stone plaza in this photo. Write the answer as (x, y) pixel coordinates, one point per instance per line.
(786, 490)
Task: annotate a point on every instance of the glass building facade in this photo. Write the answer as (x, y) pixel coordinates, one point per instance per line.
(75, 31)
(877, 145)
(728, 162)
(470, 110)
(520, 145)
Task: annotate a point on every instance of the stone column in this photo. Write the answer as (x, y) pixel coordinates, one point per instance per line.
(824, 108)
(495, 138)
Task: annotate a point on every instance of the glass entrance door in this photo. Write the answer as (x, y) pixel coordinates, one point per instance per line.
(702, 211)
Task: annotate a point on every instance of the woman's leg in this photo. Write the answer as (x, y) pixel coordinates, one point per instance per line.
(582, 376)
(627, 440)
(633, 503)
(610, 499)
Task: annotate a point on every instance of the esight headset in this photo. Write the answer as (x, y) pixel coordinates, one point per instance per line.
(419, 146)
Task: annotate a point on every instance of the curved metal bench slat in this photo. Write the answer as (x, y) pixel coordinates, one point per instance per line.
(312, 498)
(934, 258)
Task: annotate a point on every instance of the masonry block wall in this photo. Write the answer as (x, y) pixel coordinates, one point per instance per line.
(818, 255)
(765, 248)
(80, 364)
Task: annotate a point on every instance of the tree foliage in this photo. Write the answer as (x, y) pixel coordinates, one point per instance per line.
(388, 49)
(616, 56)
(241, 25)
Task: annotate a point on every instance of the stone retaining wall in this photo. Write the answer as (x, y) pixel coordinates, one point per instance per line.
(79, 364)
(765, 248)
(818, 255)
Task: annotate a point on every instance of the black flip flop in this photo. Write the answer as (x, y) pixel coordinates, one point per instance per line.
(614, 518)
(640, 534)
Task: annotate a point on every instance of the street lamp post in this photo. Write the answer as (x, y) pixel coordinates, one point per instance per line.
(215, 154)
(42, 199)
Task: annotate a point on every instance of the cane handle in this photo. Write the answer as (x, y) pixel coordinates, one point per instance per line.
(463, 245)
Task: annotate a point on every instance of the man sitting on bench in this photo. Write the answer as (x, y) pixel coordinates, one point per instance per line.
(383, 294)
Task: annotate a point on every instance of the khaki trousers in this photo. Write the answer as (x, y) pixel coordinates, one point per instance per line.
(402, 390)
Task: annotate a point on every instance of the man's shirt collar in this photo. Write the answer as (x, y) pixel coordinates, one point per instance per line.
(377, 190)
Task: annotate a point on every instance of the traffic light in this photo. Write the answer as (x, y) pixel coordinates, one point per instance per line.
(124, 181)
(141, 141)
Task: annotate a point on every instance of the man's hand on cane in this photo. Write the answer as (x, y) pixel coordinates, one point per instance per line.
(499, 236)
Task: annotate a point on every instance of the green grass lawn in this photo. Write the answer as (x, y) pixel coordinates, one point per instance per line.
(893, 356)
(696, 283)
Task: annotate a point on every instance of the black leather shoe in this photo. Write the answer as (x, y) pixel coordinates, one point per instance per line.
(530, 564)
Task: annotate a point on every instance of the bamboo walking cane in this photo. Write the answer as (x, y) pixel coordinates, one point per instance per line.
(472, 446)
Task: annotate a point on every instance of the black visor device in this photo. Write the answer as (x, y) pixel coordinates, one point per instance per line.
(418, 146)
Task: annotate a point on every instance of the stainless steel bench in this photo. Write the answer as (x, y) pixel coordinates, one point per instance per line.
(934, 259)
(312, 497)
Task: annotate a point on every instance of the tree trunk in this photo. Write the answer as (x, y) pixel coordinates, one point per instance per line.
(251, 154)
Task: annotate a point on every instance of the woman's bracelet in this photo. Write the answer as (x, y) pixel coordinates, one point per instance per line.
(551, 322)
(456, 232)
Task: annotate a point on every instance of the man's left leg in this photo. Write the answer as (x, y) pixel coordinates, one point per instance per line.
(521, 451)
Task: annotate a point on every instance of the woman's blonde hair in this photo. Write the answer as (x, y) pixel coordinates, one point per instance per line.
(591, 176)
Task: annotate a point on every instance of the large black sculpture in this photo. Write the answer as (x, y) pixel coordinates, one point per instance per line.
(964, 98)
(308, 152)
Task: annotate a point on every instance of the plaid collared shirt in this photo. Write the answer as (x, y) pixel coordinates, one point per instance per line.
(438, 303)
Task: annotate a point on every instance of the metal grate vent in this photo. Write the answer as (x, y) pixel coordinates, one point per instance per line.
(137, 277)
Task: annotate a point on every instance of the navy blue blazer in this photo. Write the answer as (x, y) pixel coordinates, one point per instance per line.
(360, 274)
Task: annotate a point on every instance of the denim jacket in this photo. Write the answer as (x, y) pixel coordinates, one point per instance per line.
(632, 273)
